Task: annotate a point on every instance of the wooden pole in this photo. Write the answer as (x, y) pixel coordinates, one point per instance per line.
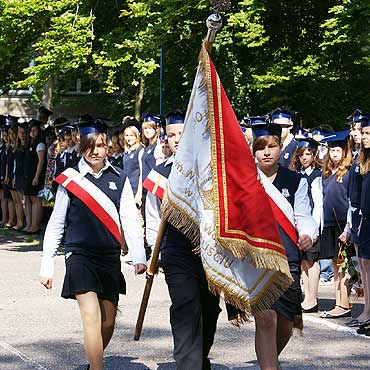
(150, 277)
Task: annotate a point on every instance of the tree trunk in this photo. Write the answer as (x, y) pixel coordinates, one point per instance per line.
(47, 93)
(139, 98)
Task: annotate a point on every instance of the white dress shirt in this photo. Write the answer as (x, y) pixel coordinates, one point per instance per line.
(129, 218)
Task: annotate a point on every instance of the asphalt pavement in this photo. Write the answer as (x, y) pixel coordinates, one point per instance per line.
(40, 330)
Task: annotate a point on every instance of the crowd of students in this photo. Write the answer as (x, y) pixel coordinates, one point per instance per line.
(321, 175)
(335, 165)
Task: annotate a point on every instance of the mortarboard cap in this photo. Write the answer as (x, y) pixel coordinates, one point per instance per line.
(281, 117)
(11, 120)
(150, 118)
(60, 122)
(307, 142)
(175, 118)
(338, 138)
(43, 110)
(257, 121)
(268, 129)
(357, 115)
(96, 126)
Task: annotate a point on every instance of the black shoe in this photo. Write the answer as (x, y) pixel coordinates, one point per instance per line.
(313, 309)
(364, 324)
(352, 323)
(363, 331)
(37, 232)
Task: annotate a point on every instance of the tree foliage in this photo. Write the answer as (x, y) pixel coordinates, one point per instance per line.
(311, 56)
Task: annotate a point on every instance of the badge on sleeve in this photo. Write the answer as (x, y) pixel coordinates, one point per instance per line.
(112, 185)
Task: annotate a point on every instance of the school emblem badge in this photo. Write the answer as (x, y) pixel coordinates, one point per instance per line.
(285, 192)
(112, 185)
(286, 155)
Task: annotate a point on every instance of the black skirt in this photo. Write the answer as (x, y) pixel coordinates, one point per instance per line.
(6, 192)
(329, 242)
(93, 273)
(313, 254)
(289, 304)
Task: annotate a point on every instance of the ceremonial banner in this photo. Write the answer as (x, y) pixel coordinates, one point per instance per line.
(215, 198)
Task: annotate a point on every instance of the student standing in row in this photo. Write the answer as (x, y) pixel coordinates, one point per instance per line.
(306, 163)
(34, 177)
(335, 176)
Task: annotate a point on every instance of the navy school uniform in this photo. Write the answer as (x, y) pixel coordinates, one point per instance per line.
(19, 158)
(287, 153)
(10, 160)
(335, 208)
(72, 157)
(31, 161)
(131, 166)
(289, 304)
(89, 246)
(364, 232)
(117, 160)
(92, 253)
(354, 195)
(313, 253)
(148, 160)
(3, 165)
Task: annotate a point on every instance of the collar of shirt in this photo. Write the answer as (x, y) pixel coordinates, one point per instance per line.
(170, 160)
(84, 168)
(307, 171)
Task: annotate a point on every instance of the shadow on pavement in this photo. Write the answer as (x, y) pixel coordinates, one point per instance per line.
(119, 363)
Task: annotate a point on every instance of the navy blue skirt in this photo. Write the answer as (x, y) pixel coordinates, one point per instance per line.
(93, 273)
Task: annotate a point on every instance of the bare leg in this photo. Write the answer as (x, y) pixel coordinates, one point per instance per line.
(12, 219)
(304, 268)
(19, 210)
(342, 291)
(313, 272)
(28, 211)
(265, 339)
(91, 321)
(108, 318)
(4, 210)
(283, 333)
(36, 214)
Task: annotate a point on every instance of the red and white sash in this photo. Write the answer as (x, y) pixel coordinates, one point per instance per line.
(155, 183)
(281, 208)
(94, 199)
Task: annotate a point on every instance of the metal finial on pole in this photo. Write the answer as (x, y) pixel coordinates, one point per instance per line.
(214, 21)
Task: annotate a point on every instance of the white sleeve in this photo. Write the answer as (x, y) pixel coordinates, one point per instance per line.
(304, 221)
(316, 192)
(158, 154)
(152, 218)
(131, 225)
(40, 147)
(348, 226)
(54, 232)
